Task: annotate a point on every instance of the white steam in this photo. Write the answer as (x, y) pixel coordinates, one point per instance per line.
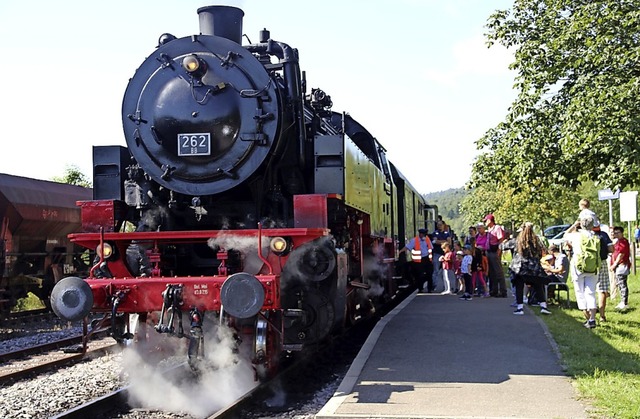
(374, 274)
(242, 244)
(224, 377)
(245, 245)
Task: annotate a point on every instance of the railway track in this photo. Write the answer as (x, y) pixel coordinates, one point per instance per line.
(37, 359)
(26, 318)
(27, 323)
(112, 403)
(300, 379)
(252, 405)
(99, 407)
(116, 402)
(27, 314)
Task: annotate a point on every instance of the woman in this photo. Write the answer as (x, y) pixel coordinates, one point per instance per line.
(527, 269)
(584, 283)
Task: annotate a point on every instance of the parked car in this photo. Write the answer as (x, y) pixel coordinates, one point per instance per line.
(558, 240)
(553, 231)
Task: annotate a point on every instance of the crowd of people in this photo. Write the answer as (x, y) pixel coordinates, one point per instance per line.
(444, 264)
(473, 268)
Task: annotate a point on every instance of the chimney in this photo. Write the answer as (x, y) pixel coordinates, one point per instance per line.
(223, 21)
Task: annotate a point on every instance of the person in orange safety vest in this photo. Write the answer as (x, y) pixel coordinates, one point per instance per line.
(422, 266)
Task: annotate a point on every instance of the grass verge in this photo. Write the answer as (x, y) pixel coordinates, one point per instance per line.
(605, 361)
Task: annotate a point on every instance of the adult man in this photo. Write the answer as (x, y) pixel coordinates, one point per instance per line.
(496, 235)
(604, 285)
(439, 236)
(620, 265)
(421, 266)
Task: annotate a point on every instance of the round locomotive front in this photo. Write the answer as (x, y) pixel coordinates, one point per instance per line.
(201, 114)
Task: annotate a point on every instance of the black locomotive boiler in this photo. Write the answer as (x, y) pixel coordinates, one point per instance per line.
(239, 193)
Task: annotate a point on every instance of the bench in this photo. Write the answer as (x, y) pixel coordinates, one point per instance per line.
(560, 287)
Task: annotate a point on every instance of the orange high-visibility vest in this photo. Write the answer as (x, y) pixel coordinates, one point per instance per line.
(416, 254)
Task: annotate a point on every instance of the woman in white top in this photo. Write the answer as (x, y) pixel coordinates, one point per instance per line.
(584, 283)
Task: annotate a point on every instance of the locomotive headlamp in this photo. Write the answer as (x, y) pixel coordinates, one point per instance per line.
(191, 63)
(279, 246)
(108, 250)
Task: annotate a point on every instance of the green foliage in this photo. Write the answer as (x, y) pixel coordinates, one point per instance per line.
(30, 302)
(73, 176)
(577, 114)
(448, 203)
(549, 204)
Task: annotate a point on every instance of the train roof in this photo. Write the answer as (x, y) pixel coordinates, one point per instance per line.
(40, 208)
(23, 190)
(397, 174)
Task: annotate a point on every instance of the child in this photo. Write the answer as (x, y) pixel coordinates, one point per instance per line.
(448, 275)
(485, 273)
(457, 250)
(457, 268)
(465, 269)
(585, 210)
(477, 269)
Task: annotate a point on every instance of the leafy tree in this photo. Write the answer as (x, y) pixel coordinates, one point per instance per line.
(448, 203)
(73, 176)
(551, 204)
(577, 114)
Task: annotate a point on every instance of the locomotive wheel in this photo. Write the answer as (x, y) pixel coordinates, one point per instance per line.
(314, 261)
(317, 263)
(266, 348)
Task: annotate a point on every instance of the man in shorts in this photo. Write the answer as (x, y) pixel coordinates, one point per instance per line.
(604, 284)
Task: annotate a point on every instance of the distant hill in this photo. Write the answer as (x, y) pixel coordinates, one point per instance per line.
(448, 206)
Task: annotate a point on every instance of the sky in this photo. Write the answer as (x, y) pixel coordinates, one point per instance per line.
(416, 73)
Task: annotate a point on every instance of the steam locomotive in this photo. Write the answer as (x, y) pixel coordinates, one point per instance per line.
(241, 194)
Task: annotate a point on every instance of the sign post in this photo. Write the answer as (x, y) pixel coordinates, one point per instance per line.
(628, 213)
(606, 194)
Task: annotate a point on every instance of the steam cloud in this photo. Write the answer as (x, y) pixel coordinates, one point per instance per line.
(374, 273)
(242, 244)
(246, 245)
(225, 377)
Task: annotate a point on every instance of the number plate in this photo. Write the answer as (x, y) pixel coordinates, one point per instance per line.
(194, 144)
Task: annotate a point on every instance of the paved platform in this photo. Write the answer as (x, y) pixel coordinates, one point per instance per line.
(436, 356)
